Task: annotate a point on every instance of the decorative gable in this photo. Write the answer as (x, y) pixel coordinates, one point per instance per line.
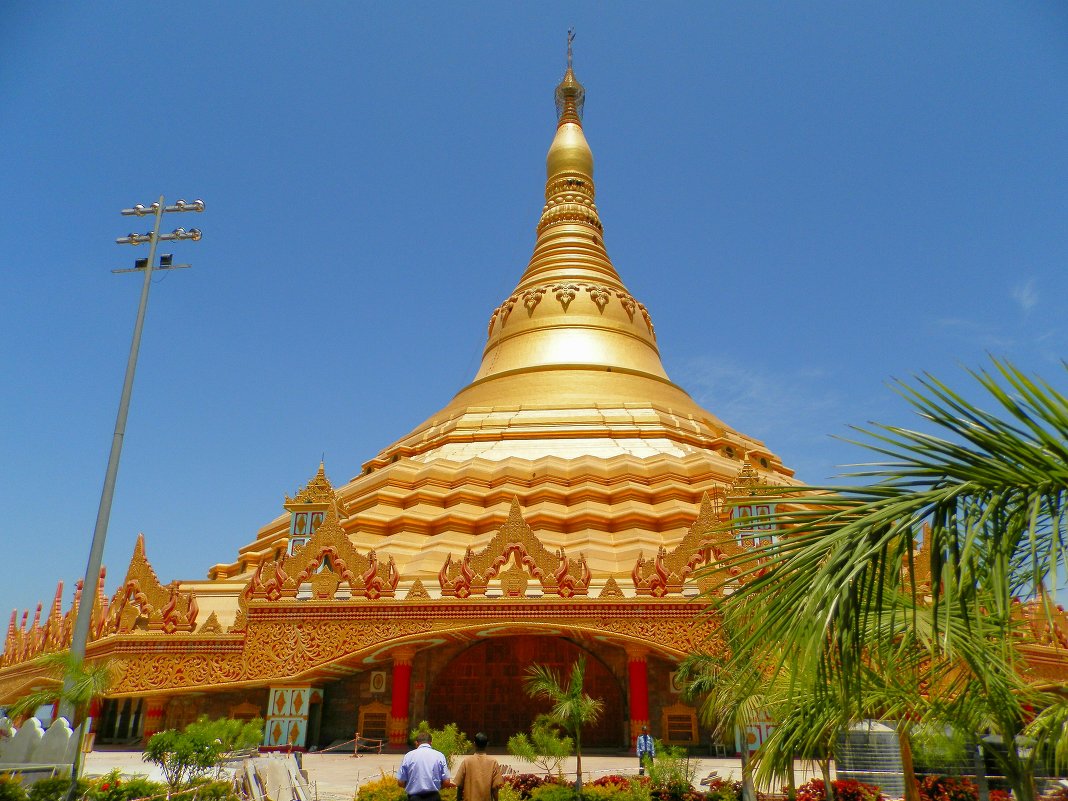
(329, 565)
(142, 603)
(515, 540)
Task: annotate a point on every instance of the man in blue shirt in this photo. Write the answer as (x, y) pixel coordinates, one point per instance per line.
(424, 771)
(646, 750)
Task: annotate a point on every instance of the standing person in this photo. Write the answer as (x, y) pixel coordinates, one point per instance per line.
(423, 771)
(646, 750)
(479, 776)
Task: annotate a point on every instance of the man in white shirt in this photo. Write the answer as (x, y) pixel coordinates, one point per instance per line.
(423, 771)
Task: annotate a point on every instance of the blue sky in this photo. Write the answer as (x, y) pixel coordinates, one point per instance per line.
(811, 199)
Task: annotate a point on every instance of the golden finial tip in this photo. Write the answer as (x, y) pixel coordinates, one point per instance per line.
(570, 94)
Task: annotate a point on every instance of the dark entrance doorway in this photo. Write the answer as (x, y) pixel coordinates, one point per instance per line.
(482, 689)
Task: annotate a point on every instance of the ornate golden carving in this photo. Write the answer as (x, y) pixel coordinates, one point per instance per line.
(326, 561)
(514, 580)
(611, 589)
(1045, 621)
(748, 482)
(28, 640)
(565, 293)
(648, 319)
(669, 571)
(570, 198)
(240, 619)
(143, 604)
(211, 625)
(600, 295)
(283, 648)
(142, 673)
(532, 297)
(557, 573)
(417, 592)
(684, 636)
(317, 490)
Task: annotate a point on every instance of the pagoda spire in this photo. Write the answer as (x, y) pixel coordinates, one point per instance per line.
(570, 94)
(570, 309)
(57, 601)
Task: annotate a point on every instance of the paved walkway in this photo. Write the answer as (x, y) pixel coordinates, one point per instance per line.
(335, 777)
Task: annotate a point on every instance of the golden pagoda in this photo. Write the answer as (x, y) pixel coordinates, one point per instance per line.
(558, 505)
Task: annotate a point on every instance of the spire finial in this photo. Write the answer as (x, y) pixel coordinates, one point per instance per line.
(569, 93)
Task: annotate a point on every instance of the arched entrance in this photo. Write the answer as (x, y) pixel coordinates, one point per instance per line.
(481, 689)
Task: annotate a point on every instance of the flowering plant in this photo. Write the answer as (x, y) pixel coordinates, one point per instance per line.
(844, 790)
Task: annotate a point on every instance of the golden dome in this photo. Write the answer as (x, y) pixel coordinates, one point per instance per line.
(571, 414)
(571, 364)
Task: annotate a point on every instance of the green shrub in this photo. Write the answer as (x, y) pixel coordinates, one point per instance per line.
(233, 735)
(55, 789)
(554, 792)
(205, 789)
(109, 787)
(618, 788)
(546, 746)
(448, 740)
(181, 756)
(507, 793)
(603, 792)
(141, 787)
(671, 775)
(384, 788)
(199, 747)
(724, 790)
(11, 788)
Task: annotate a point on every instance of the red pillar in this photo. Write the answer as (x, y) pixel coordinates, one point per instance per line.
(155, 707)
(96, 706)
(638, 673)
(401, 697)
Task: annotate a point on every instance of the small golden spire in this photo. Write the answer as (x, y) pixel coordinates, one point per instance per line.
(570, 94)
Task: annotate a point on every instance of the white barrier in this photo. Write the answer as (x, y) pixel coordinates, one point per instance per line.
(34, 752)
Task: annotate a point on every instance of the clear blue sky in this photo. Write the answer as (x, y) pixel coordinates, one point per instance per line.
(810, 198)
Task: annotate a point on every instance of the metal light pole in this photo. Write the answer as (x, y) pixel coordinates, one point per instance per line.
(96, 551)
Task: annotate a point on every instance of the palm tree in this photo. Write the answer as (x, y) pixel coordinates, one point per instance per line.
(727, 701)
(990, 496)
(75, 684)
(571, 707)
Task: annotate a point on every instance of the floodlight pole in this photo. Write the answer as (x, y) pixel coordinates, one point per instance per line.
(80, 637)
